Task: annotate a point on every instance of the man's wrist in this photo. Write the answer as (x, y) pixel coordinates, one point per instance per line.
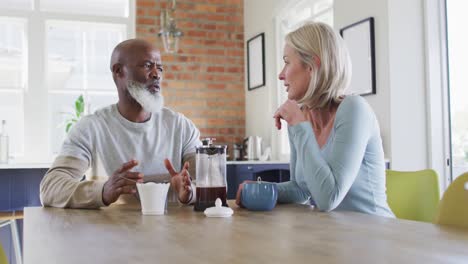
(189, 199)
(103, 197)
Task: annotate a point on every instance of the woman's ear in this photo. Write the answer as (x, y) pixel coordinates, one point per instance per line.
(317, 61)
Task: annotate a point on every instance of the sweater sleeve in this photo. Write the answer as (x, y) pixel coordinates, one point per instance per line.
(190, 136)
(329, 177)
(62, 185)
(290, 192)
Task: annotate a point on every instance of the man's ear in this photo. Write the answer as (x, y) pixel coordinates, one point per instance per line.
(117, 69)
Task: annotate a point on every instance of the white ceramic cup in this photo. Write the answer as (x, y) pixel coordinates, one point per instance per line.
(153, 197)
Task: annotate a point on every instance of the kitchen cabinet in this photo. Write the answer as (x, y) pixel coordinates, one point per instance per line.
(19, 187)
(270, 171)
(239, 171)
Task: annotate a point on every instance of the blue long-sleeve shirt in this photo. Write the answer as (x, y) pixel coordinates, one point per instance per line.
(348, 172)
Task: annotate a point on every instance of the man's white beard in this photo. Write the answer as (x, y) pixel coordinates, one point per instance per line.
(150, 102)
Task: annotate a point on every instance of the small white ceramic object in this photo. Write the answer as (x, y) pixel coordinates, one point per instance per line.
(218, 210)
(153, 197)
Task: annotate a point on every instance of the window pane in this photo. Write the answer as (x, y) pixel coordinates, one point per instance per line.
(13, 53)
(300, 12)
(78, 54)
(11, 110)
(100, 42)
(65, 52)
(114, 8)
(61, 109)
(457, 57)
(100, 100)
(323, 5)
(326, 18)
(17, 4)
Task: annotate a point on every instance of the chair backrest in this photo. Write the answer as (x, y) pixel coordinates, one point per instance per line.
(453, 208)
(3, 256)
(413, 195)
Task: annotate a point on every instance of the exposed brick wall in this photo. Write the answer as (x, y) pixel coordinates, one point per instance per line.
(205, 79)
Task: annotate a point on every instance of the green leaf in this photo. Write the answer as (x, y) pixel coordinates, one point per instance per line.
(79, 111)
(79, 106)
(67, 128)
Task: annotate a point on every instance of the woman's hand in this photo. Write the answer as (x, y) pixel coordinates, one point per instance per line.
(239, 193)
(290, 112)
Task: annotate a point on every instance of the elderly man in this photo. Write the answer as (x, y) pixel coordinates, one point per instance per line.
(132, 141)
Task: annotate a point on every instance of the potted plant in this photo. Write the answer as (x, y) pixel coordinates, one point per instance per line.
(79, 111)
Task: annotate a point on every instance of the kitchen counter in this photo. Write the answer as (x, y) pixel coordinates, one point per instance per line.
(256, 162)
(387, 162)
(25, 166)
(47, 165)
(288, 234)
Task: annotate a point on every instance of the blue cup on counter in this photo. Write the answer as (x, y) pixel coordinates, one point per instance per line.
(259, 196)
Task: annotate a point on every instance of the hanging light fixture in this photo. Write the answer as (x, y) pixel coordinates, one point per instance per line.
(169, 33)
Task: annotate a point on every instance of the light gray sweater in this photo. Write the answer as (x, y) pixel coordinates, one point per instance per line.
(348, 172)
(100, 143)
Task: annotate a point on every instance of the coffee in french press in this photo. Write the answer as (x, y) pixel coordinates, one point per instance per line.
(211, 175)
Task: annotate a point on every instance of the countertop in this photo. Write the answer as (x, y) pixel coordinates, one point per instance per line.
(25, 166)
(257, 162)
(47, 165)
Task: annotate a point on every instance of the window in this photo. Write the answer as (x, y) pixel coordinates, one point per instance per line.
(16, 4)
(13, 77)
(113, 8)
(50, 54)
(78, 55)
(298, 13)
(457, 55)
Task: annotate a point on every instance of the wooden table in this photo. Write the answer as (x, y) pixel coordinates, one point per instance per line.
(288, 234)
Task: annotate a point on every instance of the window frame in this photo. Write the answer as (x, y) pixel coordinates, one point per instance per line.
(37, 145)
(437, 96)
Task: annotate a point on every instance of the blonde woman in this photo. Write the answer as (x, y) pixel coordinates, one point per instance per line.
(337, 160)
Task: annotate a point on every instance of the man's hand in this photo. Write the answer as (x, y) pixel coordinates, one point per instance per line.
(180, 181)
(123, 181)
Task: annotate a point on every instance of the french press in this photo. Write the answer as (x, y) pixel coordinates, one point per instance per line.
(211, 174)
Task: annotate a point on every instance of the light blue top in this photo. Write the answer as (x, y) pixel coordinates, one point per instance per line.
(348, 172)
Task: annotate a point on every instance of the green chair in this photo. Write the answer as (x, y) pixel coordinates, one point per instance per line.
(9, 219)
(413, 195)
(3, 257)
(453, 208)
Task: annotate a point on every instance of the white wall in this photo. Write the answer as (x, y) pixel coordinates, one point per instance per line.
(407, 83)
(261, 102)
(400, 100)
(380, 102)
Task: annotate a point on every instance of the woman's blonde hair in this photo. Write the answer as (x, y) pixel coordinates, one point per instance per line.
(321, 48)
